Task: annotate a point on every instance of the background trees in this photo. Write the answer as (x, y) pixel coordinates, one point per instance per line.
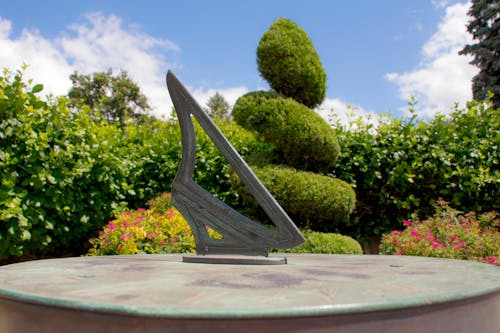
(485, 28)
(113, 98)
(217, 106)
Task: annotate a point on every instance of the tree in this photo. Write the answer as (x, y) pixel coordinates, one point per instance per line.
(217, 106)
(113, 98)
(485, 29)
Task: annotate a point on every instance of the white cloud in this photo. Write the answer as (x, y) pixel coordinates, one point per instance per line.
(443, 77)
(440, 3)
(97, 44)
(46, 64)
(333, 109)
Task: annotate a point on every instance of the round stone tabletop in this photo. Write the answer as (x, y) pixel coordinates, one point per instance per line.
(162, 286)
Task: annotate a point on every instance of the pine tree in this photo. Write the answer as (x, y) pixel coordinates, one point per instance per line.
(485, 29)
(217, 106)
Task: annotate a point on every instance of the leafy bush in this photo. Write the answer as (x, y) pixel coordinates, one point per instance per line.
(448, 234)
(161, 229)
(212, 170)
(313, 201)
(404, 165)
(305, 140)
(59, 174)
(63, 176)
(288, 60)
(318, 242)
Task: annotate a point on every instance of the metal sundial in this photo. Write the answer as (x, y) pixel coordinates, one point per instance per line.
(241, 236)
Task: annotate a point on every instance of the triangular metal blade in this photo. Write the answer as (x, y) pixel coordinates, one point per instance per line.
(201, 209)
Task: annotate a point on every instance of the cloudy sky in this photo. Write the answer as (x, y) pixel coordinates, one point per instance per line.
(376, 53)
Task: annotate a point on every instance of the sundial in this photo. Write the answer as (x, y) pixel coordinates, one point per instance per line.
(241, 236)
(234, 285)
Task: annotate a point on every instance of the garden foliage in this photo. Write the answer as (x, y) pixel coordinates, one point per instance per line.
(402, 166)
(159, 229)
(288, 60)
(63, 175)
(311, 200)
(448, 234)
(304, 140)
(162, 229)
(327, 243)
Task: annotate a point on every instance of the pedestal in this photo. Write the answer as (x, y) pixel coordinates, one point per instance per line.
(312, 293)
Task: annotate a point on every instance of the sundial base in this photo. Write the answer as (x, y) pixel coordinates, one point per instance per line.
(312, 293)
(234, 260)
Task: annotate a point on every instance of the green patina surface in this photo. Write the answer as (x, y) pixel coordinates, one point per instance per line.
(309, 285)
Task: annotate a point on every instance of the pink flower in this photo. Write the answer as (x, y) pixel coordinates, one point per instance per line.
(396, 233)
(491, 260)
(394, 240)
(170, 213)
(174, 240)
(123, 237)
(416, 234)
(112, 227)
(407, 223)
(437, 245)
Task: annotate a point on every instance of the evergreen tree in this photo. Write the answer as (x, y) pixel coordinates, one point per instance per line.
(113, 98)
(485, 28)
(217, 106)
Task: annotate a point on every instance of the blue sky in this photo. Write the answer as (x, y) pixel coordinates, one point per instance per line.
(375, 53)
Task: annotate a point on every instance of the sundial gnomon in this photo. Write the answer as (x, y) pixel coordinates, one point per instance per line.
(241, 235)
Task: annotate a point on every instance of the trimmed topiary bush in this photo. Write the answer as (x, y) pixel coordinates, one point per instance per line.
(305, 140)
(326, 243)
(287, 59)
(313, 201)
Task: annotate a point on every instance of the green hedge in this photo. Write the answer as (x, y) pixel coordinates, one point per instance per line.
(313, 201)
(405, 165)
(326, 243)
(287, 59)
(58, 173)
(64, 176)
(304, 139)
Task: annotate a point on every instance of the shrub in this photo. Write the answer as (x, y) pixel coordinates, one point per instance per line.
(59, 175)
(326, 243)
(213, 172)
(305, 140)
(64, 176)
(161, 229)
(448, 234)
(287, 59)
(313, 201)
(402, 165)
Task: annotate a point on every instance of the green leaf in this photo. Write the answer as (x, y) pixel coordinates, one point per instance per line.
(37, 88)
